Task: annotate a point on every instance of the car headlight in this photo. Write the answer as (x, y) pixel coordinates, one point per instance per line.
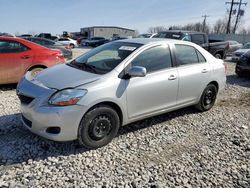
(67, 97)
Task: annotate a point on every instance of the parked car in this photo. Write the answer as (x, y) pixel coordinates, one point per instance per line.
(217, 49)
(147, 35)
(233, 46)
(67, 52)
(6, 35)
(238, 53)
(94, 41)
(47, 36)
(25, 35)
(242, 68)
(68, 42)
(118, 38)
(80, 40)
(116, 84)
(17, 56)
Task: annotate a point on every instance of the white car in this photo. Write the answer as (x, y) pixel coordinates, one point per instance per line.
(68, 42)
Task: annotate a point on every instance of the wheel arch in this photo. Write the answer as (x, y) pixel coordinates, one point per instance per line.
(113, 105)
(215, 83)
(36, 66)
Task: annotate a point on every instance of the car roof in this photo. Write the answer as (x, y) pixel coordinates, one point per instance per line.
(181, 31)
(39, 38)
(151, 40)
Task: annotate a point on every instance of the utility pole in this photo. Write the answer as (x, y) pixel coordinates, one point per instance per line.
(204, 22)
(230, 15)
(239, 14)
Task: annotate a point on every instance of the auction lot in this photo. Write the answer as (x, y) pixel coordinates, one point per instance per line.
(182, 148)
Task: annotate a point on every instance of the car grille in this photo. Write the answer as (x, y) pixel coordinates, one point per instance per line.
(25, 99)
(27, 122)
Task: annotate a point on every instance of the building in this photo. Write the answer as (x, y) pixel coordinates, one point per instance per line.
(107, 32)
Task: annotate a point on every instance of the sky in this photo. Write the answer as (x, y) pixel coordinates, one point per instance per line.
(55, 16)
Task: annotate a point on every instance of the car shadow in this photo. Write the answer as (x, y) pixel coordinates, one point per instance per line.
(7, 87)
(236, 80)
(17, 144)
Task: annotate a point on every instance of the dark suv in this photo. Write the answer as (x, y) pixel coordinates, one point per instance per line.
(243, 65)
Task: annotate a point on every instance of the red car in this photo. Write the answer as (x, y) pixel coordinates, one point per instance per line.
(17, 56)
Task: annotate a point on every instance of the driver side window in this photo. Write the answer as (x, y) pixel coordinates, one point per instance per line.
(11, 47)
(154, 59)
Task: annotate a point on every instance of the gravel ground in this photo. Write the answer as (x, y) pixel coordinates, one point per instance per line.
(184, 148)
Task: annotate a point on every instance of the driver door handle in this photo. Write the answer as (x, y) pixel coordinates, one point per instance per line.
(204, 71)
(25, 57)
(172, 77)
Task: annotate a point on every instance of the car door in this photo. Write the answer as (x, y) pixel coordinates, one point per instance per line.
(158, 89)
(13, 58)
(194, 73)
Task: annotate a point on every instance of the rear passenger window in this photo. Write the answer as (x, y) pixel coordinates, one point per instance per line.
(200, 57)
(186, 54)
(154, 59)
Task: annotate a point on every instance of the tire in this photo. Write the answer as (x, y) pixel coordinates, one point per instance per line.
(218, 56)
(98, 127)
(239, 74)
(72, 46)
(35, 71)
(87, 44)
(208, 98)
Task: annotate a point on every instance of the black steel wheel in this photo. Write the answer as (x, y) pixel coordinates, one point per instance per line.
(208, 98)
(98, 127)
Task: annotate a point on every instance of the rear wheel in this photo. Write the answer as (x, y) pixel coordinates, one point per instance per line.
(218, 56)
(35, 71)
(98, 127)
(208, 98)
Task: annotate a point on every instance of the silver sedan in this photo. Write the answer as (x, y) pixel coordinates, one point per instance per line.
(118, 83)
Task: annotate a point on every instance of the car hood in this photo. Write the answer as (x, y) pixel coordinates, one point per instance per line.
(64, 76)
(241, 51)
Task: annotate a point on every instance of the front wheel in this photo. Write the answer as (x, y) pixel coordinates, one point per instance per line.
(72, 46)
(98, 127)
(36, 71)
(208, 98)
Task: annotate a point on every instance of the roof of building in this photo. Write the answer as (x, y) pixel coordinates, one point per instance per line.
(109, 27)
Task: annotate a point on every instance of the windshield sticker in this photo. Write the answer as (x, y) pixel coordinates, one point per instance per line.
(128, 48)
(176, 36)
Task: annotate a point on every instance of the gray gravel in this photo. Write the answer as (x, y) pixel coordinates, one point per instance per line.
(182, 148)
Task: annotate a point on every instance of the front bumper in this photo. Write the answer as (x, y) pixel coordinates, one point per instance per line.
(243, 69)
(235, 58)
(39, 117)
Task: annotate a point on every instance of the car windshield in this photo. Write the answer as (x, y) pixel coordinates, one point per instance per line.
(105, 58)
(246, 46)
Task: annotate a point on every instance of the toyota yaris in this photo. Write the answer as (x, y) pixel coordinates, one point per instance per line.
(115, 84)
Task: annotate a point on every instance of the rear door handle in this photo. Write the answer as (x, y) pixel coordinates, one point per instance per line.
(204, 71)
(172, 77)
(25, 57)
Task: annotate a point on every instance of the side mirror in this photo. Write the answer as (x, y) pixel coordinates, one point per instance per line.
(137, 71)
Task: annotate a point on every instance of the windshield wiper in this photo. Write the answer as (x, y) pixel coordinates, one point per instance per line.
(90, 67)
(83, 66)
